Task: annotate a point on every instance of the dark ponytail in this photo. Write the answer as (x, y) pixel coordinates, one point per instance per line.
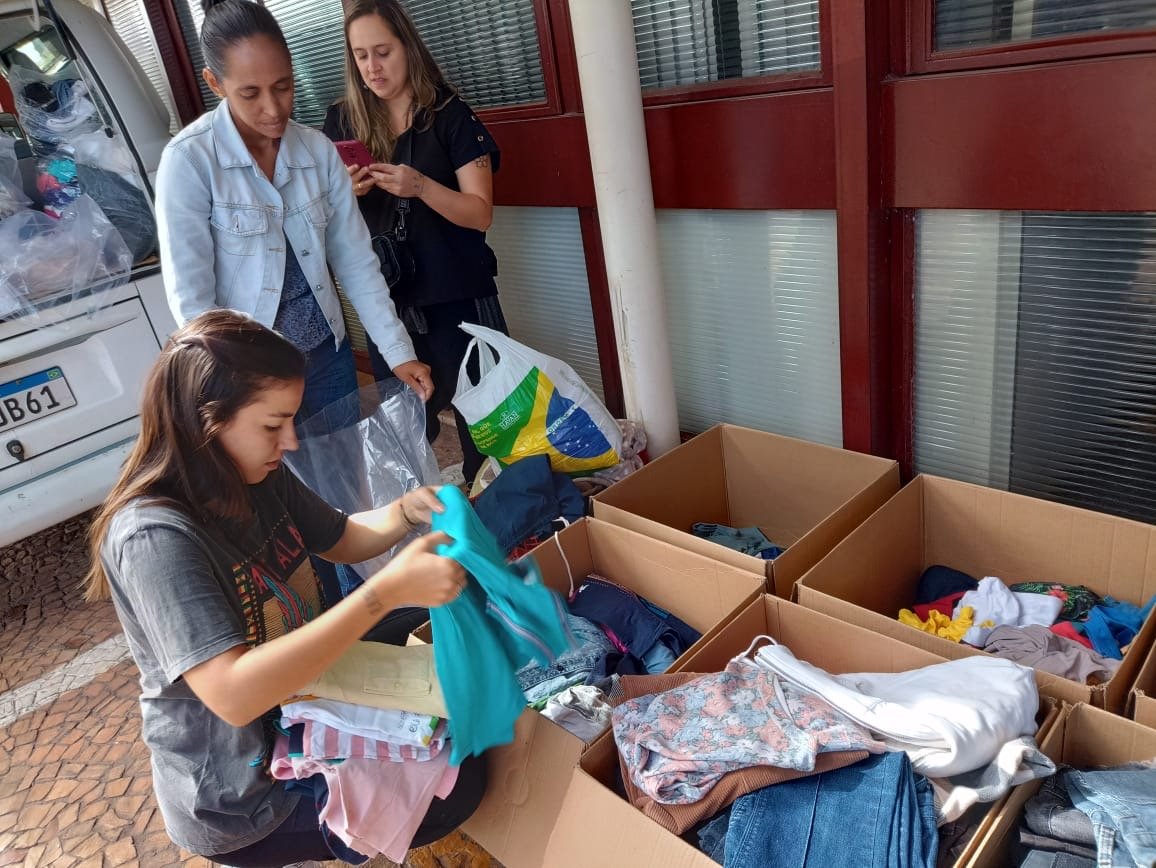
(228, 22)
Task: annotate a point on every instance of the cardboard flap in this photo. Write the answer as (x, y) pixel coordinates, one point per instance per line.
(681, 487)
(527, 780)
(787, 486)
(596, 827)
(878, 564)
(986, 532)
(1142, 703)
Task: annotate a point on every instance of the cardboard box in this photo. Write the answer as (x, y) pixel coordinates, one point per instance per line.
(1083, 737)
(803, 496)
(1142, 705)
(598, 827)
(872, 574)
(528, 778)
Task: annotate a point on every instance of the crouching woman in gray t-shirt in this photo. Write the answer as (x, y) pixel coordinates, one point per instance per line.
(204, 547)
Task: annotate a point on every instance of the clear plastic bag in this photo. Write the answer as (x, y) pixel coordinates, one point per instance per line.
(105, 150)
(124, 205)
(52, 111)
(12, 198)
(47, 259)
(369, 464)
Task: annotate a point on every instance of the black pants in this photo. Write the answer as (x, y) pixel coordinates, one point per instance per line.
(299, 837)
(442, 347)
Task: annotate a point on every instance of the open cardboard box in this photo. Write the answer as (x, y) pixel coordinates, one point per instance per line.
(528, 778)
(872, 574)
(1083, 737)
(599, 827)
(803, 496)
(1142, 704)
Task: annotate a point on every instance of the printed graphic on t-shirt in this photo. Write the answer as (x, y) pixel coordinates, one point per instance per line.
(277, 585)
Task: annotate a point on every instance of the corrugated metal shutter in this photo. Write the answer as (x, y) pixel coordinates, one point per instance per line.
(683, 42)
(131, 23)
(487, 48)
(544, 289)
(753, 305)
(1058, 313)
(965, 23)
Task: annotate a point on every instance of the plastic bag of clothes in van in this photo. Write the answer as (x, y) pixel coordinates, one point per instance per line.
(52, 111)
(46, 258)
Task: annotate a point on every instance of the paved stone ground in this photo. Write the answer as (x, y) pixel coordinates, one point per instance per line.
(75, 784)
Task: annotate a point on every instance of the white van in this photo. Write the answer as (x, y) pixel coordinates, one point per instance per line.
(72, 364)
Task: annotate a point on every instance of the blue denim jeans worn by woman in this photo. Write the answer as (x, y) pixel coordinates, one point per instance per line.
(875, 814)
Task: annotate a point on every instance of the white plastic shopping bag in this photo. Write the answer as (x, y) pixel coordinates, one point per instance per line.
(527, 403)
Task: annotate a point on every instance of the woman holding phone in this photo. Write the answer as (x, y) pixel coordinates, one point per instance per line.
(429, 155)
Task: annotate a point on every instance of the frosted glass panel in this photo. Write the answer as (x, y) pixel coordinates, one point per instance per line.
(753, 305)
(967, 273)
(1034, 368)
(543, 286)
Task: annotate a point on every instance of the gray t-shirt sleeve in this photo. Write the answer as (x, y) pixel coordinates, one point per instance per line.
(167, 582)
(321, 525)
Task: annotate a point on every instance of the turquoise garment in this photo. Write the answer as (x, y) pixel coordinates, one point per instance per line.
(504, 618)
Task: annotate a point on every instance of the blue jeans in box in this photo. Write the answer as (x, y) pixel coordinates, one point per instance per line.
(1121, 803)
(875, 814)
(331, 375)
(1050, 813)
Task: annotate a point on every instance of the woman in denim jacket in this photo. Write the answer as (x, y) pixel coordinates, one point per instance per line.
(253, 210)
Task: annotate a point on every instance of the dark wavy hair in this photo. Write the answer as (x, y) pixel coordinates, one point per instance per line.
(211, 369)
(228, 22)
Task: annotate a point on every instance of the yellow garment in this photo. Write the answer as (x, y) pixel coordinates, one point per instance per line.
(939, 624)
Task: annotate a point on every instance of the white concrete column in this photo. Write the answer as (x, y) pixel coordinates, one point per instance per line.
(612, 103)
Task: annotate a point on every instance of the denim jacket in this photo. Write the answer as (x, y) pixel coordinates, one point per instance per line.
(222, 226)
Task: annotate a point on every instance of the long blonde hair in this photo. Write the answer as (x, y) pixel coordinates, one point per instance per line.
(368, 115)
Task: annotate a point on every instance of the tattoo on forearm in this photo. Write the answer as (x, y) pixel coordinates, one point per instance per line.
(483, 161)
(372, 603)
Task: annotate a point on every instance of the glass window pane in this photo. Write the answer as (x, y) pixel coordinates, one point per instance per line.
(313, 29)
(967, 23)
(1034, 369)
(543, 285)
(488, 49)
(683, 42)
(753, 306)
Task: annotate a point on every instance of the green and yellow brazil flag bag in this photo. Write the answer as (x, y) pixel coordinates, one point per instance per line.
(527, 403)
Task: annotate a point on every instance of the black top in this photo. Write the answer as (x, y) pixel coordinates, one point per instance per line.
(453, 263)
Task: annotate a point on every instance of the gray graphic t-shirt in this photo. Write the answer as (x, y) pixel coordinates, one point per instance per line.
(186, 593)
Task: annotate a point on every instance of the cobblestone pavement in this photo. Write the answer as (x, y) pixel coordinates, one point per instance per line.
(75, 784)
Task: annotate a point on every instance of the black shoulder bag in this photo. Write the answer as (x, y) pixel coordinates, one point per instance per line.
(393, 252)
